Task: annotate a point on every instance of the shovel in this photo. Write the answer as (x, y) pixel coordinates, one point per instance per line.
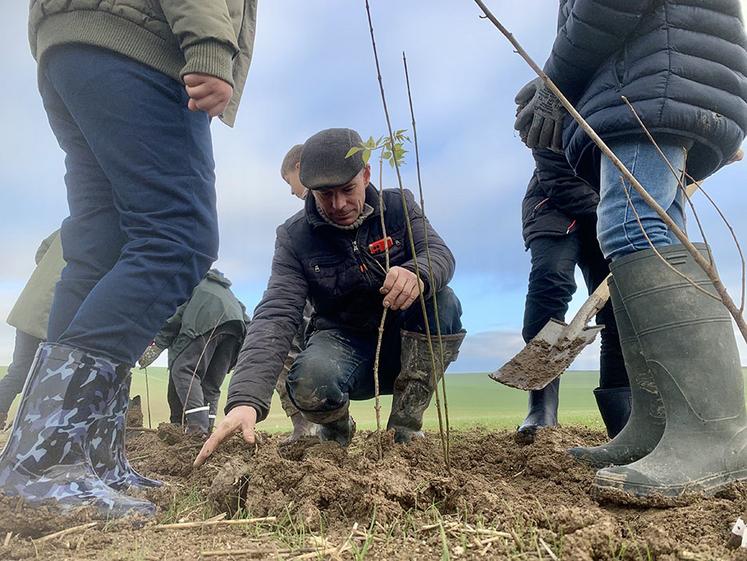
(557, 344)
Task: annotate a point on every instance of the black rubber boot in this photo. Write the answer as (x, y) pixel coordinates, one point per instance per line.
(614, 407)
(414, 385)
(47, 458)
(689, 345)
(107, 446)
(646, 422)
(543, 412)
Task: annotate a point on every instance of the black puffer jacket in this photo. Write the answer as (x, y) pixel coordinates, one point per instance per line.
(681, 63)
(556, 201)
(335, 270)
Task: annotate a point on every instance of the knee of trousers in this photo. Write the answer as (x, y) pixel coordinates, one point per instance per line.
(449, 312)
(313, 384)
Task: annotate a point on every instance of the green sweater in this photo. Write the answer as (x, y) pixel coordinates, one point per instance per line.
(176, 37)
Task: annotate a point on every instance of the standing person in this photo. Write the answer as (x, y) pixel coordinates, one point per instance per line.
(29, 316)
(559, 216)
(332, 253)
(290, 171)
(142, 229)
(683, 67)
(203, 338)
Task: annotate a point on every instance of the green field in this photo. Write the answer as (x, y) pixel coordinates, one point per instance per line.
(474, 399)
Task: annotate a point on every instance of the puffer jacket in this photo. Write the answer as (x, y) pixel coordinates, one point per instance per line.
(211, 305)
(556, 202)
(176, 37)
(681, 63)
(337, 272)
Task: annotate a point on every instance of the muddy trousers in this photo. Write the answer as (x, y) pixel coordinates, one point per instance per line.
(197, 373)
(337, 364)
(12, 383)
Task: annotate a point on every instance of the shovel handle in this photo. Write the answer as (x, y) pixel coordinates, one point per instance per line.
(591, 307)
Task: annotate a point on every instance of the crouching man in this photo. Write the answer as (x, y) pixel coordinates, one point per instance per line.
(332, 253)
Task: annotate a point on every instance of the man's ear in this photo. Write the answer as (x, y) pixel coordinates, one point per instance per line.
(298, 166)
(367, 174)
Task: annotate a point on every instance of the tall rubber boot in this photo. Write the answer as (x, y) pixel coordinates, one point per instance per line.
(646, 422)
(414, 387)
(47, 456)
(107, 446)
(614, 406)
(336, 426)
(543, 412)
(688, 341)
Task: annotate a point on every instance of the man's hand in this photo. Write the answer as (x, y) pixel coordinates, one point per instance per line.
(540, 117)
(149, 355)
(207, 93)
(241, 418)
(401, 288)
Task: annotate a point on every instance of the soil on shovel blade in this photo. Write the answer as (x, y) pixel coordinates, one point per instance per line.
(313, 500)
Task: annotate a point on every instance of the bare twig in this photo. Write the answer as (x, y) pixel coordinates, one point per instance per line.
(549, 551)
(8, 537)
(209, 523)
(704, 264)
(147, 398)
(194, 371)
(68, 531)
(431, 277)
(410, 236)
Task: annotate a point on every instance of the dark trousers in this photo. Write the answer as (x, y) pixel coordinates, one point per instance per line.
(552, 285)
(23, 355)
(142, 229)
(337, 364)
(197, 373)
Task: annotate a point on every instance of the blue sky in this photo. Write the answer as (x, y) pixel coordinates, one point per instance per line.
(313, 68)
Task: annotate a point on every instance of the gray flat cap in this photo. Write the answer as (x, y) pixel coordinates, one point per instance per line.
(323, 161)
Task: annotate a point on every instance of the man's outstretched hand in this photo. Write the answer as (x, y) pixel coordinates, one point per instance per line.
(241, 418)
(207, 93)
(401, 288)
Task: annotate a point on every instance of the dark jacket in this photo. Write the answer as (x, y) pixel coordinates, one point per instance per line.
(681, 63)
(334, 269)
(556, 201)
(212, 304)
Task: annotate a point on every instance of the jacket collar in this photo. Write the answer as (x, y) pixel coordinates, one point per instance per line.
(317, 221)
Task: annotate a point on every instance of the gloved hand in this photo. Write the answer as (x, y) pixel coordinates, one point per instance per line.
(150, 355)
(540, 116)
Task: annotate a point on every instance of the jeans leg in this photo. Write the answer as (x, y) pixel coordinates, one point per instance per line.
(23, 356)
(159, 167)
(595, 268)
(326, 372)
(551, 281)
(618, 227)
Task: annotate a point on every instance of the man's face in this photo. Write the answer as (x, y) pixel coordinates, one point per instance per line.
(294, 180)
(343, 205)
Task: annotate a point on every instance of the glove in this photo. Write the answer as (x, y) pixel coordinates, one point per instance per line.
(150, 355)
(540, 116)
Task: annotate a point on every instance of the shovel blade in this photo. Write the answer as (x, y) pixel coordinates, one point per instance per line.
(545, 357)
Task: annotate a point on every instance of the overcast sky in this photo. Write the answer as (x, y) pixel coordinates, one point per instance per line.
(313, 68)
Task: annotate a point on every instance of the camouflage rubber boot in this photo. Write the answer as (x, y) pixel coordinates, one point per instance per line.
(302, 428)
(337, 425)
(543, 412)
(107, 446)
(646, 422)
(414, 386)
(47, 458)
(688, 342)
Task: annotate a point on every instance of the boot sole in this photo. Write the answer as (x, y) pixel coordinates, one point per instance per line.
(619, 491)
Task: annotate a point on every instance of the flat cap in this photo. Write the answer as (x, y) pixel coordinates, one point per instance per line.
(323, 161)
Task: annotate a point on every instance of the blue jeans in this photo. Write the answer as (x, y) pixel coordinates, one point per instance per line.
(618, 229)
(142, 229)
(337, 365)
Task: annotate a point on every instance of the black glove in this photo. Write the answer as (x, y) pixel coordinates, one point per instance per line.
(539, 117)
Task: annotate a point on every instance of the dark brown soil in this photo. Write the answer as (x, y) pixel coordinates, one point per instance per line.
(500, 500)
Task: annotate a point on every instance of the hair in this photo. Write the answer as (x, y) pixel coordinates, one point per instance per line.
(290, 160)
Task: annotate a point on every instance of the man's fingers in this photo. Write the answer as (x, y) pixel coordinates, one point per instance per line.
(194, 79)
(524, 117)
(534, 131)
(526, 93)
(391, 278)
(248, 434)
(200, 91)
(404, 295)
(222, 432)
